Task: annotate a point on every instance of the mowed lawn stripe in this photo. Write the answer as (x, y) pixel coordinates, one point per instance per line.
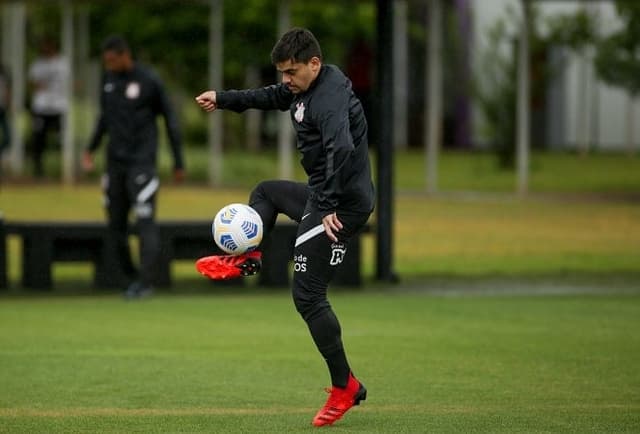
(367, 408)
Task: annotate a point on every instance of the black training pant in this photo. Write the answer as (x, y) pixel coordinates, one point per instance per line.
(316, 259)
(127, 188)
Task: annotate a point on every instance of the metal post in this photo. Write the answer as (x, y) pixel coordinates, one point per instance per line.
(68, 148)
(401, 74)
(630, 139)
(82, 50)
(384, 254)
(434, 94)
(462, 99)
(253, 118)
(285, 129)
(5, 58)
(15, 14)
(215, 135)
(522, 120)
(594, 116)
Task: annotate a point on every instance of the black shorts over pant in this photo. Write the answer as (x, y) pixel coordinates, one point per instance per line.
(316, 257)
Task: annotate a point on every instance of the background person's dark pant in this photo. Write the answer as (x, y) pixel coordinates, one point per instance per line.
(126, 189)
(5, 131)
(42, 125)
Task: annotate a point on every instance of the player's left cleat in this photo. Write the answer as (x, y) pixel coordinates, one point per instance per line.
(340, 401)
(223, 267)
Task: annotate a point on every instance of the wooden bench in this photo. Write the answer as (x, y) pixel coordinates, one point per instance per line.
(44, 243)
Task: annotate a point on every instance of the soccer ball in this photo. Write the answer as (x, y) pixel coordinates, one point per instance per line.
(237, 229)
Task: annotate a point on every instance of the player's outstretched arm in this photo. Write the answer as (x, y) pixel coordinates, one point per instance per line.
(273, 97)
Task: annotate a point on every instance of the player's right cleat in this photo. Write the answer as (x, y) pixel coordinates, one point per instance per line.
(223, 267)
(340, 401)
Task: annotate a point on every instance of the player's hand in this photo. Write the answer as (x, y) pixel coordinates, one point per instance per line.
(87, 162)
(207, 100)
(178, 176)
(331, 224)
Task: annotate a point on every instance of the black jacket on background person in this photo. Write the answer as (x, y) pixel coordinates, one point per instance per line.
(332, 137)
(129, 105)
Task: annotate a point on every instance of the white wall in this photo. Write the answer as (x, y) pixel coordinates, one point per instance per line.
(607, 107)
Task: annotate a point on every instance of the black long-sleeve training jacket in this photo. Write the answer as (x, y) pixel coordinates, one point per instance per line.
(129, 105)
(331, 134)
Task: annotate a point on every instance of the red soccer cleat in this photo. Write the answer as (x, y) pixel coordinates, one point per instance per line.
(340, 401)
(222, 267)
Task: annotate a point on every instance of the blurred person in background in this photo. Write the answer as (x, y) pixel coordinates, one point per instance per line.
(49, 82)
(132, 97)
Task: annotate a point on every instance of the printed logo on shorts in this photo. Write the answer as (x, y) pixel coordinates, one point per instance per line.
(338, 250)
(299, 114)
(300, 263)
(108, 87)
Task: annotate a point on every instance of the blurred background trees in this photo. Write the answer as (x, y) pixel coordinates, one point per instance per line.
(479, 80)
(618, 60)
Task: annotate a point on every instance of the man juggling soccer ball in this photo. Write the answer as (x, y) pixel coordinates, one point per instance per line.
(330, 208)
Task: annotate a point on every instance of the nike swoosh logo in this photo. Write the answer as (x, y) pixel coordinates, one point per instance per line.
(305, 216)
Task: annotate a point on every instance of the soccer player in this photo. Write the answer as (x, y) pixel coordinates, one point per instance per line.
(331, 207)
(132, 96)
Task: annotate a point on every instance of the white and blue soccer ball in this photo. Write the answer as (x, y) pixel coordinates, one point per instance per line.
(237, 229)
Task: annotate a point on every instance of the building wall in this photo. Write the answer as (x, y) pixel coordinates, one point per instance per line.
(593, 113)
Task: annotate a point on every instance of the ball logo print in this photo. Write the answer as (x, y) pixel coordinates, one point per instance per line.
(237, 229)
(227, 243)
(227, 215)
(250, 229)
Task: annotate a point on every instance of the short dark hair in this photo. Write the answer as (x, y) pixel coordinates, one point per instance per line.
(298, 45)
(115, 43)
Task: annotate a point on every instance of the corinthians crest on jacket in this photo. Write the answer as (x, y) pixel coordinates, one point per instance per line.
(299, 114)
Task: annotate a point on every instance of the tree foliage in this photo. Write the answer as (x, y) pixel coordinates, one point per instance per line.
(618, 55)
(574, 31)
(171, 36)
(174, 35)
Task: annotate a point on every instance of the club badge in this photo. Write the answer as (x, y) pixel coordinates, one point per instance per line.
(299, 114)
(133, 90)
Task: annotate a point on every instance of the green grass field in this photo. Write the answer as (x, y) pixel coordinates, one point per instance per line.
(598, 173)
(243, 362)
(446, 235)
(512, 315)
